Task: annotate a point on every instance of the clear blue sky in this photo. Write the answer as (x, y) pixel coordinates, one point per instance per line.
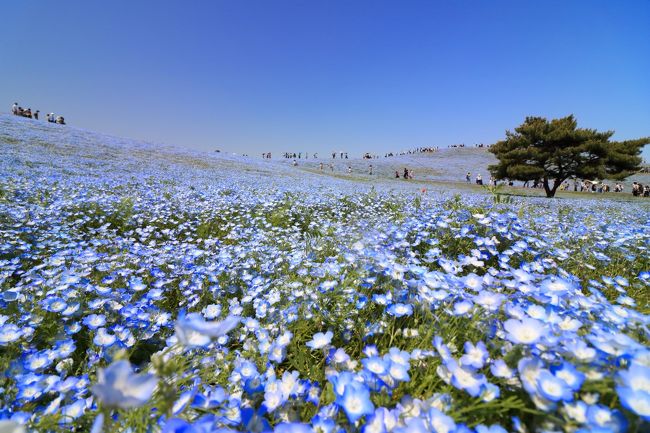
(317, 75)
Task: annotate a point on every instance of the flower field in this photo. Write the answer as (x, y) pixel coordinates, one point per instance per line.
(147, 289)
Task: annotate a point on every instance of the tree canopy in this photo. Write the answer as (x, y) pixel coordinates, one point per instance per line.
(553, 151)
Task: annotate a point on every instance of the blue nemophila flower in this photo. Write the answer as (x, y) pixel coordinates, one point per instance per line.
(119, 387)
(569, 374)
(247, 370)
(323, 423)
(320, 340)
(337, 356)
(439, 422)
(289, 384)
(38, 361)
(500, 369)
(94, 321)
(54, 304)
(553, 388)
(634, 389)
(644, 276)
(277, 352)
(463, 307)
(414, 425)
(29, 391)
(489, 300)
(524, 331)
(9, 333)
(475, 355)
(465, 379)
(529, 370)
(184, 400)
(292, 427)
(382, 421)
(73, 411)
(205, 424)
(273, 396)
(602, 417)
(376, 365)
(473, 282)
(103, 338)
(441, 348)
(490, 392)
(193, 331)
(399, 372)
(355, 401)
(136, 284)
(400, 310)
(494, 428)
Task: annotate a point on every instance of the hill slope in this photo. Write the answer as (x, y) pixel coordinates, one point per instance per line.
(338, 292)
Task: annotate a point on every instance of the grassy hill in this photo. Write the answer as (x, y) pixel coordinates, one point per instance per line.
(221, 293)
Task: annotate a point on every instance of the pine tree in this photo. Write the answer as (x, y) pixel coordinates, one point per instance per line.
(552, 151)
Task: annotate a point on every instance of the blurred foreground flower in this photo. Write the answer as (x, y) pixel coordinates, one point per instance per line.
(118, 386)
(192, 330)
(7, 426)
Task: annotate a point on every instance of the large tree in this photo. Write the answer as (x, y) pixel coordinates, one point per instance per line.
(553, 151)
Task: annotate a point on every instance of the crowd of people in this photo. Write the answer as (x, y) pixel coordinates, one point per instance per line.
(368, 155)
(639, 190)
(17, 110)
(584, 185)
(408, 174)
(479, 179)
(413, 151)
(294, 155)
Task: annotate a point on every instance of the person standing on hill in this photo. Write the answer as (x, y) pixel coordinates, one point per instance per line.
(14, 108)
(36, 114)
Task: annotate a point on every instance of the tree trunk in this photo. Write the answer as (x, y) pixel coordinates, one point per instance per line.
(550, 191)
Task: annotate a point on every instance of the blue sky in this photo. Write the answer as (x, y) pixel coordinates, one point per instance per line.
(252, 76)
